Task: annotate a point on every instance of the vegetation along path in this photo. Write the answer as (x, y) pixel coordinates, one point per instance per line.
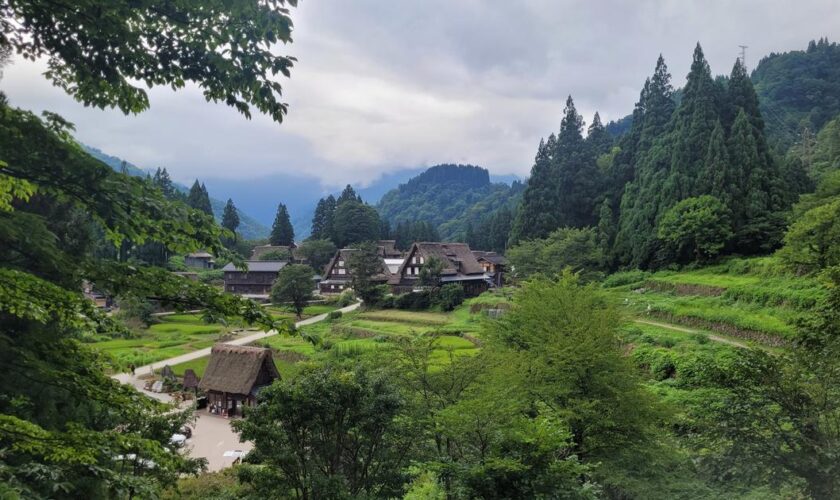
(683, 329)
(142, 371)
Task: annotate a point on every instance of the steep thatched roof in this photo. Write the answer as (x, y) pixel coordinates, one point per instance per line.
(238, 369)
(190, 379)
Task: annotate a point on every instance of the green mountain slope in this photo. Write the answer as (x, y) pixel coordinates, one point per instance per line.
(799, 90)
(450, 197)
(249, 228)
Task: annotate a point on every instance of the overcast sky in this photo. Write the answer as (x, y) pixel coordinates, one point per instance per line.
(382, 85)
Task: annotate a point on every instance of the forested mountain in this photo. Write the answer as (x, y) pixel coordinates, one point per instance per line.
(249, 227)
(799, 91)
(449, 197)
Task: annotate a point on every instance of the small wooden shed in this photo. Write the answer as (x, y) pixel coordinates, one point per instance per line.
(234, 376)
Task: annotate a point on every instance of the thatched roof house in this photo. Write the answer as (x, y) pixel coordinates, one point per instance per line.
(234, 376)
(459, 266)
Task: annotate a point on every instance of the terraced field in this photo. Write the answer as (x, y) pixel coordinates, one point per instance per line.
(175, 335)
(747, 298)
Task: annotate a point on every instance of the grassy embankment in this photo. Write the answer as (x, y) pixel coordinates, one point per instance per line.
(356, 334)
(177, 334)
(749, 299)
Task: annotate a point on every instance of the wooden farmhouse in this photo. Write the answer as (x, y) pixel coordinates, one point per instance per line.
(494, 265)
(199, 260)
(256, 280)
(234, 376)
(337, 275)
(460, 266)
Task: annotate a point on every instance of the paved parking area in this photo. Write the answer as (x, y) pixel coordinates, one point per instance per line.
(211, 438)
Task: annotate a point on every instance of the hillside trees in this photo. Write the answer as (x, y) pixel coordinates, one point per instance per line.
(713, 145)
(345, 221)
(450, 198)
(566, 184)
(282, 232)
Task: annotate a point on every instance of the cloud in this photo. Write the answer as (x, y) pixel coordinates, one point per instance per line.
(386, 85)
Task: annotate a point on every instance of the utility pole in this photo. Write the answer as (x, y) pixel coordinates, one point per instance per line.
(744, 55)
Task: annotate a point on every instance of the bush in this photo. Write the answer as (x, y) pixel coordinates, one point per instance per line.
(212, 277)
(414, 301)
(346, 298)
(334, 315)
(387, 302)
(450, 296)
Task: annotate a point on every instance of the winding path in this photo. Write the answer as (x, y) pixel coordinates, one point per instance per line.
(140, 371)
(711, 336)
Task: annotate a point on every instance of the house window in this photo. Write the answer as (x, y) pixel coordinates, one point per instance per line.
(332, 287)
(341, 263)
(421, 259)
(342, 271)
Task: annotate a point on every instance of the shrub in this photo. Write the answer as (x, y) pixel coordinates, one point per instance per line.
(334, 315)
(346, 298)
(450, 296)
(415, 301)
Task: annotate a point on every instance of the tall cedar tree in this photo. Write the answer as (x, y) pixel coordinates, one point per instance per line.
(282, 232)
(230, 218)
(579, 180)
(319, 220)
(537, 217)
(199, 199)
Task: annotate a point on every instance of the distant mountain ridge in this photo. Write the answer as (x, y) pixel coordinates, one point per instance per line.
(249, 227)
(450, 197)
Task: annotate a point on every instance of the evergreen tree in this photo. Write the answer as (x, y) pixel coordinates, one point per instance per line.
(319, 221)
(282, 232)
(719, 177)
(597, 138)
(537, 216)
(329, 218)
(692, 127)
(579, 181)
(230, 218)
(199, 199)
(349, 194)
(355, 222)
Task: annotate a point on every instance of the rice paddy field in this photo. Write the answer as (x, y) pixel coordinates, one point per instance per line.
(363, 333)
(174, 335)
